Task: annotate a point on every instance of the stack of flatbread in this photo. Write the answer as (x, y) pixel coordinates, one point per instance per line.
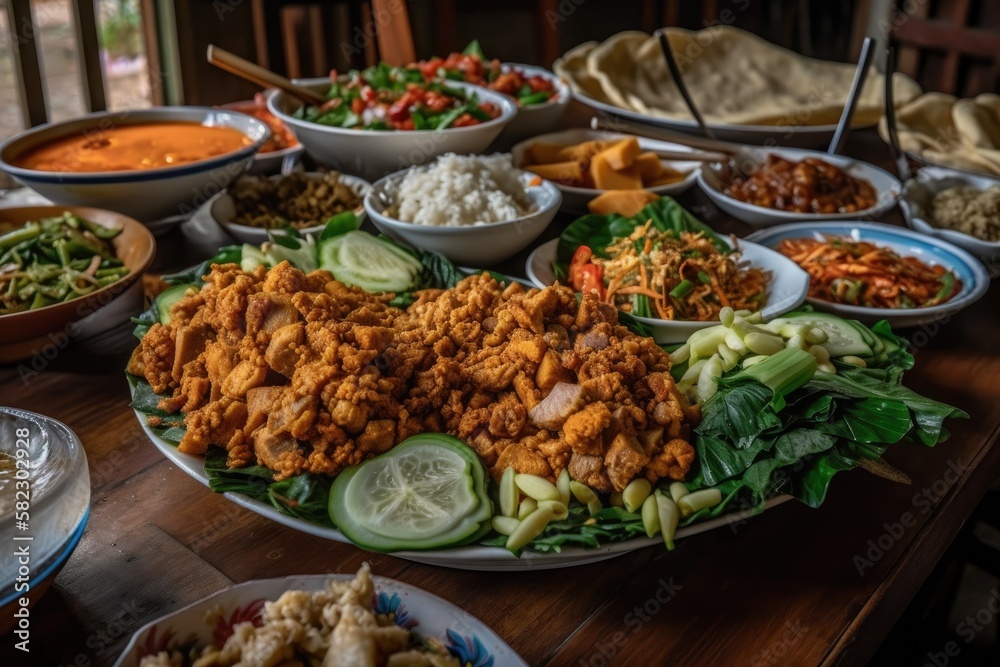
(734, 77)
(958, 133)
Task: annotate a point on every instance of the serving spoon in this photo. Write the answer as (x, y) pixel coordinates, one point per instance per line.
(254, 73)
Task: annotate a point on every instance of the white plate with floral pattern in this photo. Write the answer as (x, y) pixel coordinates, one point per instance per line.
(211, 620)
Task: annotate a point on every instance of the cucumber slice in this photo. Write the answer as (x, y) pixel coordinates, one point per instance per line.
(168, 297)
(252, 257)
(844, 337)
(427, 492)
(358, 258)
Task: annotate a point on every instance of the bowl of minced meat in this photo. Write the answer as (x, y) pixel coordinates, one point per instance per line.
(475, 210)
(963, 209)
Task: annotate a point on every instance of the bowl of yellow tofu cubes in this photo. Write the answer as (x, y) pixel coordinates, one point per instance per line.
(602, 172)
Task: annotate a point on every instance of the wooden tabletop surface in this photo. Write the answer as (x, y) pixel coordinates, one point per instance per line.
(792, 586)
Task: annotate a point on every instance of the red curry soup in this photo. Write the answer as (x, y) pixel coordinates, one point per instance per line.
(134, 147)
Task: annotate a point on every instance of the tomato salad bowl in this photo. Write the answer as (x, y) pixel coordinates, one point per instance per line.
(541, 96)
(376, 122)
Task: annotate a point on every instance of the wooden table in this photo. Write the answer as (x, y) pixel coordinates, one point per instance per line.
(792, 586)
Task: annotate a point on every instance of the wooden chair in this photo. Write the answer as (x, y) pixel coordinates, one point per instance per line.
(290, 35)
(950, 47)
(547, 30)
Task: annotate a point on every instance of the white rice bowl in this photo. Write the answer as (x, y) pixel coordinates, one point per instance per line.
(461, 191)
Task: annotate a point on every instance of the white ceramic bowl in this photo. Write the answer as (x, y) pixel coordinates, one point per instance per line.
(574, 198)
(223, 211)
(905, 243)
(477, 246)
(373, 154)
(266, 163)
(537, 118)
(147, 194)
(463, 634)
(59, 491)
(917, 195)
(887, 187)
(787, 289)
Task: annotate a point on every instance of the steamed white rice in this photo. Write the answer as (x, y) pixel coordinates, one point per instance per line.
(460, 191)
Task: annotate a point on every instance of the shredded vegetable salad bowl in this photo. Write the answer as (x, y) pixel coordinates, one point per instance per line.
(871, 272)
(376, 122)
(63, 281)
(668, 271)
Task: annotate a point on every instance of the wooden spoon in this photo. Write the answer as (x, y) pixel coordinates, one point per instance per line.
(254, 73)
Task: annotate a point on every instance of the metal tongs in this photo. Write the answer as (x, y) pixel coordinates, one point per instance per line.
(675, 72)
(844, 126)
(898, 156)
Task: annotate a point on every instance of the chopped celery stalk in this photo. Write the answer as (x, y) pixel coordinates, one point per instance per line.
(558, 509)
(505, 525)
(735, 343)
(669, 514)
(650, 515)
(706, 382)
(729, 357)
(707, 343)
(821, 354)
(563, 485)
(508, 493)
(678, 490)
(782, 373)
(681, 354)
(527, 506)
(761, 343)
(635, 493)
(699, 500)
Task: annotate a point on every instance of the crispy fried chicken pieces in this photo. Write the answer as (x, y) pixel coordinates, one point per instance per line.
(301, 373)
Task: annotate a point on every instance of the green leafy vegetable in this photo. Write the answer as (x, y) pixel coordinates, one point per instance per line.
(304, 496)
(782, 426)
(598, 231)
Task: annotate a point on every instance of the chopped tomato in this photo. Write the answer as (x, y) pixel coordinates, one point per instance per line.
(580, 257)
(464, 120)
(592, 280)
(400, 109)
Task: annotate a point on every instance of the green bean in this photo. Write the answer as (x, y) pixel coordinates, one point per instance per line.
(100, 231)
(52, 260)
(30, 231)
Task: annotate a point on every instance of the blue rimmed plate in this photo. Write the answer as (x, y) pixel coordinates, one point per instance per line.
(906, 243)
